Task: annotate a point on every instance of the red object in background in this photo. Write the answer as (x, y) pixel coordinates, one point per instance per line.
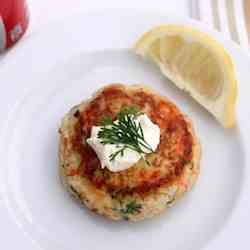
(13, 21)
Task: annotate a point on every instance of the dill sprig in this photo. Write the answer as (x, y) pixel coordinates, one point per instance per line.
(125, 132)
(129, 209)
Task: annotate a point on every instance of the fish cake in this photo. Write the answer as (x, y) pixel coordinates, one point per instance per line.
(143, 190)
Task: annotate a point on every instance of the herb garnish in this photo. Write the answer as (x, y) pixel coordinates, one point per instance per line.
(106, 120)
(125, 132)
(130, 208)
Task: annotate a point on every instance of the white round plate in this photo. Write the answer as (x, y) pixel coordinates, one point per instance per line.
(65, 64)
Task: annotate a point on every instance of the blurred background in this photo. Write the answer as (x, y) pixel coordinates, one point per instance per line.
(231, 17)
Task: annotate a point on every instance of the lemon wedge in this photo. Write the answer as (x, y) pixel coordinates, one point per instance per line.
(196, 63)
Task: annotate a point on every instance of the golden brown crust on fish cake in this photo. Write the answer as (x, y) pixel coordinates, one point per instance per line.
(174, 165)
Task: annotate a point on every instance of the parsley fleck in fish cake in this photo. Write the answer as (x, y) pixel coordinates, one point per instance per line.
(148, 187)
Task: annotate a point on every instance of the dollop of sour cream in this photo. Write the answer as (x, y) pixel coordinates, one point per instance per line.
(151, 135)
